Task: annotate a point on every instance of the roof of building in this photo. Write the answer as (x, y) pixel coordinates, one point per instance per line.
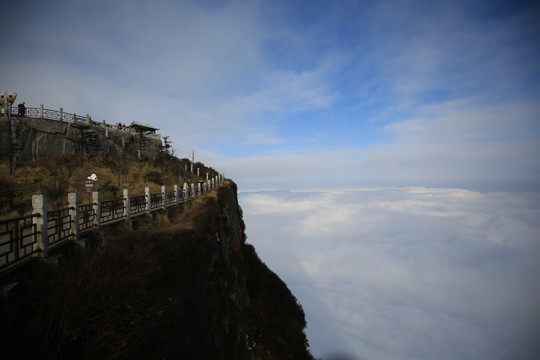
(142, 126)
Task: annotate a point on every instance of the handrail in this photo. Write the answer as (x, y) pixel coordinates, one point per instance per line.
(25, 237)
(50, 114)
(18, 237)
(60, 115)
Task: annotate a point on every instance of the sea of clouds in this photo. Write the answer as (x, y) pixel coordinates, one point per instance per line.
(406, 273)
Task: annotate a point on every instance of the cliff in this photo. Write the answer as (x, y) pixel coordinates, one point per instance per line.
(26, 139)
(190, 288)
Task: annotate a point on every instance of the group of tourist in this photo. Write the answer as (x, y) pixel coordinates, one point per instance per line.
(121, 126)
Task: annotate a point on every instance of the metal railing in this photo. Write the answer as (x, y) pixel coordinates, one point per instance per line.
(26, 237)
(58, 226)
(18, 240)
(112, 210)
(170, 197)
(87, 217)
(156, 201)
(138, 205)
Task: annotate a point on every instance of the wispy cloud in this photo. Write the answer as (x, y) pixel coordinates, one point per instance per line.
(438, 94)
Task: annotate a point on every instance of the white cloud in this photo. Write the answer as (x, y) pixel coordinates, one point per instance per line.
(248, 81)
(406, 272)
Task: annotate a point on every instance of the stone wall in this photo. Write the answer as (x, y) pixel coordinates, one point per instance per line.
(31, 139)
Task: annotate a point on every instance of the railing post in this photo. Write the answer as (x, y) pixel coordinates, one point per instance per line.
(39, 205)
(176, 194)
(193, 193)
(186, 192)
(96, 200)
(61, 114)
(41, 111)
(164, 191)
(87, 119)
(208, 185)
(148, 200)
(127, 205)
(73, 203)
(198, 172)
(206, 176)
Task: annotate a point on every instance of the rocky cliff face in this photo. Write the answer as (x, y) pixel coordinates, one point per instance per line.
(30, 139)
(191, 289)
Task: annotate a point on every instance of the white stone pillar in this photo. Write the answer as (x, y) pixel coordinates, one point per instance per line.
(176, 194)
(164, 192)
(186, 192)
(39, 205)
(127, 205)
(148, 200)
(73, 203)
(96, 201)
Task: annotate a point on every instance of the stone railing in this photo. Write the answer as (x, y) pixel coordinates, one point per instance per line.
(61, 115)
(24, 238)
(43, 113)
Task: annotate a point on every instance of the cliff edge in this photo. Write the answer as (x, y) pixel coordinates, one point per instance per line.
(191, 288)
(26, 139)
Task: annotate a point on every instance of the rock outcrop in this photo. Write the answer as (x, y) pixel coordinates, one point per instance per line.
(27, 139)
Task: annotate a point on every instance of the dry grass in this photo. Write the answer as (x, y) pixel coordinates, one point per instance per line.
(62, 174)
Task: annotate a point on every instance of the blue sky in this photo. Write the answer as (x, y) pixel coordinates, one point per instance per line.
(412, 128)
(295, 94)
